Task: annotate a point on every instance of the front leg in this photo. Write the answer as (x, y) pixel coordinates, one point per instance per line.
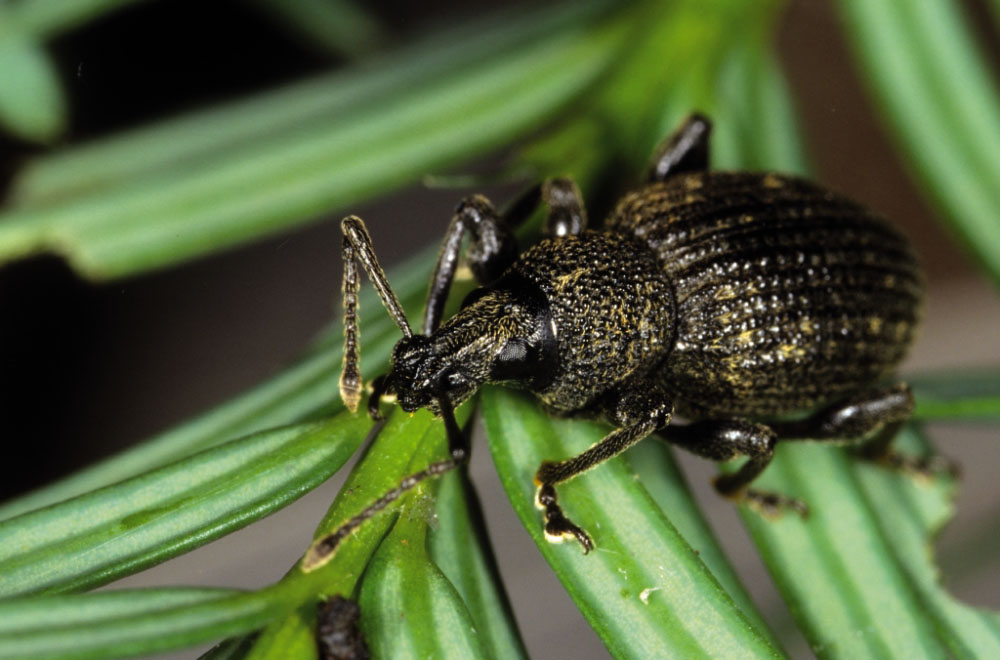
(638, 410)
(492, 249)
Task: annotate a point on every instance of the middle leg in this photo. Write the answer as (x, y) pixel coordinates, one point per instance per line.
(726, 439)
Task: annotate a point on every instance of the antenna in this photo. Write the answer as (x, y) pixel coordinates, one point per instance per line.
(357, 247)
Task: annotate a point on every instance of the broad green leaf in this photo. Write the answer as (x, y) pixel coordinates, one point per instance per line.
(383, 466)
(303, 391)
(120, 529)
(942, 105)
(32, 106)
(292, 637)
(390, 458)
(859, 575)
(460, 547)
(969, 396)
(643, 589)
(911, 512)
(659, 475)
(756, 125)
(835, 569)
(228, 127)
(284, 179)
(463, 557)
(409, 609)
(142, 622)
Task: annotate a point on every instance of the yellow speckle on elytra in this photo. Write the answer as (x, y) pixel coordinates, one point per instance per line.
(789, 351)
(725, 292)
(875, 325)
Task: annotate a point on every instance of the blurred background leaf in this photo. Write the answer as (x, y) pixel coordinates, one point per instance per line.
(941, 104)
(32, 105)
(315, 157)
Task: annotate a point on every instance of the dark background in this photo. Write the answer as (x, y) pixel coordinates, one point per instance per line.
(86, 370)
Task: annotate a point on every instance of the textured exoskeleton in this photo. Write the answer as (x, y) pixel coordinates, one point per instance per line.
(726, 297)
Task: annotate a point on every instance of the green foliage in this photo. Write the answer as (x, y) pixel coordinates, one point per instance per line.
(332, 142)
(31, 100)
(640, 584)
(92, 539)
(857, 575)
(942, 104)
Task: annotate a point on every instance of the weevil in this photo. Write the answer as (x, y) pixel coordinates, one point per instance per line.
(733, 299)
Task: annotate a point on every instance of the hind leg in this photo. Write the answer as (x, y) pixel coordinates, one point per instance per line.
(872, 418)
(685, 150)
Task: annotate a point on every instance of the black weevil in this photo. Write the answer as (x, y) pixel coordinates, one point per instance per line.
(724, 297)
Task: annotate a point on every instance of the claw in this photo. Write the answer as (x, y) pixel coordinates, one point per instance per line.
(557, 525)
(768, 504)
(773, 505)
(558, 530)
(926, 467)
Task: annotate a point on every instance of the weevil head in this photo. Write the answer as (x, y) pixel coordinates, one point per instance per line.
(502, 333)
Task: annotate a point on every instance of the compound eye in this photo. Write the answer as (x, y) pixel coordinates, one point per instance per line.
(515, 361)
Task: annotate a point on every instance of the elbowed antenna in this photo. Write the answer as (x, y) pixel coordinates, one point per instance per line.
(357, 246)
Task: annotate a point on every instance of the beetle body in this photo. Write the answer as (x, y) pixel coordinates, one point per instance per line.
(606, 317)
(787, 295)
(732, 298)
(742, 294)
